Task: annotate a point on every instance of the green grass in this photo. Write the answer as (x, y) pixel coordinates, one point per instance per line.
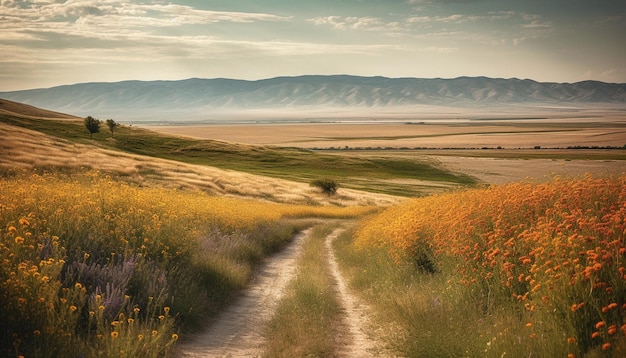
(303, 323)
(286, 163)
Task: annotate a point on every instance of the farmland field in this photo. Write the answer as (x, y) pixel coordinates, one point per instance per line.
(494, 150)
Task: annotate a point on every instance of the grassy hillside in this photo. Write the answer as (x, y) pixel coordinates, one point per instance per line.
(286, 163)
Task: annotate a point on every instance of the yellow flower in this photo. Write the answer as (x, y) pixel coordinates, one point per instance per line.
(114, 334)
(140, 337)
(154, 332)
(73, 308)
(19, 240)
(166, 309)
(175, 336)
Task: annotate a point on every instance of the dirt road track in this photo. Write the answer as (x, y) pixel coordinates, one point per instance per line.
(355, 322)
(238, 331)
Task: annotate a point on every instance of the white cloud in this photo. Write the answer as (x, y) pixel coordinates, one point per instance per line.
(351, 22)
(121, 14)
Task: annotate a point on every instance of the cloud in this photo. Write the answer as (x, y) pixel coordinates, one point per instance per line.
(350, 22)
(117, 13)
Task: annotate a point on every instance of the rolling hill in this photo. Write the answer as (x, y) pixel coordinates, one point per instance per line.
(50, 140)
(195, 99)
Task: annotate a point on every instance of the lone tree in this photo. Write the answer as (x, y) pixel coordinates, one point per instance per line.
(93, 125)
(328, 186)
(112, 125)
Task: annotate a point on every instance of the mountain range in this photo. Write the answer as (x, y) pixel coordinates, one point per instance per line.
(197, 99)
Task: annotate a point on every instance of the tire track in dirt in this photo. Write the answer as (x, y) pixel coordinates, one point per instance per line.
(239, 330)
(355, 322)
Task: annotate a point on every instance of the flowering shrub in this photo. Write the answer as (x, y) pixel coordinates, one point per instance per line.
(555, 252)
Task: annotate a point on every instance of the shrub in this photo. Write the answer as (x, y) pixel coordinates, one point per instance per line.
(328, 186)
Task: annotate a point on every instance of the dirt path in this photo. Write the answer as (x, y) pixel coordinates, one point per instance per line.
(239, 330)
(355, 322)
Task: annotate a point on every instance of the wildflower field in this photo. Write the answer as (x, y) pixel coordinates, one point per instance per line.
(95, 267)
(524, 269)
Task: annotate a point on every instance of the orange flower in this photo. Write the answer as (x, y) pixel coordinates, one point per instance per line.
(612, 329)
(571, 340)
(600, 324)
(606, 346)
(595, 334)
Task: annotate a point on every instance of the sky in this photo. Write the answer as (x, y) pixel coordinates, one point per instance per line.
(45, 43)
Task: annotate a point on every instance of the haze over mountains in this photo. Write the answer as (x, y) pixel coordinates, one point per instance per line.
(308, 96)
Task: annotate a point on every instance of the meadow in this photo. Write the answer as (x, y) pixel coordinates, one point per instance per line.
(101, 268)
(524, 269)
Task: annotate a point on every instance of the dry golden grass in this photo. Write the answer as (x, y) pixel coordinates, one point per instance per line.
(23, 148)
(10, 107)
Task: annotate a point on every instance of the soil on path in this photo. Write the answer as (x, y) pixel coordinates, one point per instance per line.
(239, 330)
(355, 324)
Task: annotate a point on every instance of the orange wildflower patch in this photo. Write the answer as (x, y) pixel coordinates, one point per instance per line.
(557, 246)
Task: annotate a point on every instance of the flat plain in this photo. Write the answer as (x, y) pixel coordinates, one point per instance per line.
(494, 150)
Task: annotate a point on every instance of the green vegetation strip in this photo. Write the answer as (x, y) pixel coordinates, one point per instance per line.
(304, 321)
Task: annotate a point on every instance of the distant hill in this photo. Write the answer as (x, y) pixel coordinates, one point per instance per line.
(194, 98)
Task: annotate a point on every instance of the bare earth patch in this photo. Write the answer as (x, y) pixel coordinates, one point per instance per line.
(601, 130)
(502, 171)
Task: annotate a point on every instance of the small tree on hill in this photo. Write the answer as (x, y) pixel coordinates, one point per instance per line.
(92, 125)
(112, 125)
(328, 186)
